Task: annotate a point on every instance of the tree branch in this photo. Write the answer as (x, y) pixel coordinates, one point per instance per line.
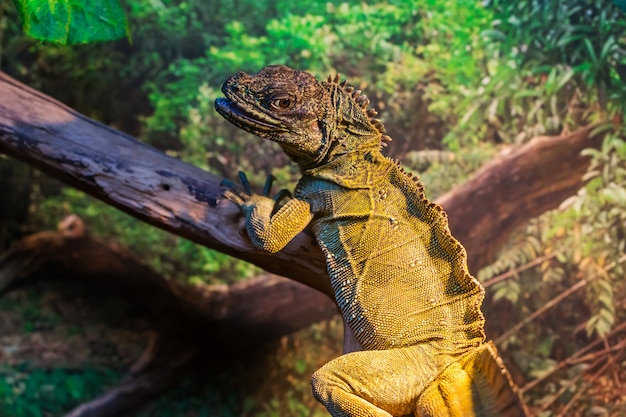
(518, 185)
(138, 179)
(185, 200)
(262, 308)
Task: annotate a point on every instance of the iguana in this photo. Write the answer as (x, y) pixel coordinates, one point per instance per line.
(400, 279)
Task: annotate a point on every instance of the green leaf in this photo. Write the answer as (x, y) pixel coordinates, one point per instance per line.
(300, 366)
(603, 327)
(569, 39)
(608, 48)
(607, 301)
(602, 128)
(495, 35)
(591, 325)
(564, 79)
(525, 93)
(72, 21)
(592, 53)
(545, 347)
(615, 194)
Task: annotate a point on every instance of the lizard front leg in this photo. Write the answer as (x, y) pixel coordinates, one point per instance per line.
(270, 229)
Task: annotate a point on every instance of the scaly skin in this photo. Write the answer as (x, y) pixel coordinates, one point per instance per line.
(400, 278)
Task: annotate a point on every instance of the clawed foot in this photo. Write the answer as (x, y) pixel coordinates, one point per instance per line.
(241, 198)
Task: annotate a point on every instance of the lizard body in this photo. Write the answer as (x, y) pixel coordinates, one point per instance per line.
(400, 279)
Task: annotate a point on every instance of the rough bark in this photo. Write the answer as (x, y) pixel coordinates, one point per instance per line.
(185, 200)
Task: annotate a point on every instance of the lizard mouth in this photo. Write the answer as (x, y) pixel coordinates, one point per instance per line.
(246, 116)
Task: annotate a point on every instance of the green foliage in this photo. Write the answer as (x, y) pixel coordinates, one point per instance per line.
(70, 22)
(600, 209)
(520, 253)
(544, 66)
(222, 396)
(585, 35)
(26, 392)
(386, 47)
(527, 249)
(290, 368)
(457, 77)
(15, 193)
(584, 241)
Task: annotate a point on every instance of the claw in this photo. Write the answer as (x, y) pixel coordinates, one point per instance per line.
(244, 181)
(282, 194)
(267, 188)
(231, 193)
(228, 184)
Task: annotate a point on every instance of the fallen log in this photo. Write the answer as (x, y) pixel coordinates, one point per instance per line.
(185, 200)
(186, 320)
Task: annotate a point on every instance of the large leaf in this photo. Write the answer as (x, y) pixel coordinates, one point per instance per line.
(72, 21)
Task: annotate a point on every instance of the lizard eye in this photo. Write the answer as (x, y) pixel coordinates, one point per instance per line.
(281, 103)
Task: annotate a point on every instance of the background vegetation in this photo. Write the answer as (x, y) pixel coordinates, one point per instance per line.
(459, 79)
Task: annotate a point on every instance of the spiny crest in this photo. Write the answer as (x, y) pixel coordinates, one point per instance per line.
(412, 177)
(363, 102)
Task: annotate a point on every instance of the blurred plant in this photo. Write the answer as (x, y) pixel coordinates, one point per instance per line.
(584, 239)
(547, 65)
(26, 392)
(67, 22)
(584, 35)
(600, 211)
(579, 248)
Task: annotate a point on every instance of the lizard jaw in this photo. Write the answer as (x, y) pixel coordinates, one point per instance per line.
(250, 120)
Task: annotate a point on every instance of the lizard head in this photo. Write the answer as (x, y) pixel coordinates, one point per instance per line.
(313, 121)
